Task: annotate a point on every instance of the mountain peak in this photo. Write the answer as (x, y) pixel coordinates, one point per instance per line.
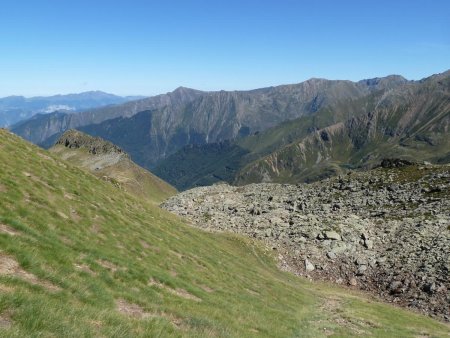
(184, 90)
(394, 79)
(95, 145)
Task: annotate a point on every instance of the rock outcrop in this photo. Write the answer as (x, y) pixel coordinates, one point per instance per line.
(74, 139)
(384, 231)
(110, 163)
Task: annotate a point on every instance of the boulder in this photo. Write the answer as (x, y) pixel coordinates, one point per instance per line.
(308, 265)
(333, 235)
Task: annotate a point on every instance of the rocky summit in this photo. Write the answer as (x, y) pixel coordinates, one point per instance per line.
(385, 231)
(110, 163)
(74, 139)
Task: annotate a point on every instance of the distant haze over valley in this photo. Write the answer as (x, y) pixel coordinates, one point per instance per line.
(14, 109)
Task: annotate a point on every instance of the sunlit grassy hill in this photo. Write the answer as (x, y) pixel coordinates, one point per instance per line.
(109, 162)
(81, 257)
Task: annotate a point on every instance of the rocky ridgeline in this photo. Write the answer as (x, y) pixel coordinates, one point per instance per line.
(74, 139)
(385, 230)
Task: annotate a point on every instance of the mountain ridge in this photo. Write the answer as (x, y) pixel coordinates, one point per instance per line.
(202, 117)
(398, 115)
(14, 109)
(155, 129)
(110, 163)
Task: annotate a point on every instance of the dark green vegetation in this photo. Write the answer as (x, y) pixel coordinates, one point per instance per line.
(80, 257)
(410, 121)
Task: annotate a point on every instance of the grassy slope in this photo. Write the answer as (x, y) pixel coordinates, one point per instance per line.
(98, 246)
(130, 176)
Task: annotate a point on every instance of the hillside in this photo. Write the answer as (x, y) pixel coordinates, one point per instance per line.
(151, 132)
(110, 163)
(385, 230)
(80, 257)
(409, 121)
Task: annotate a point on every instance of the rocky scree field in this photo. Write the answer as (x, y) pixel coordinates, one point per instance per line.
(386, 231)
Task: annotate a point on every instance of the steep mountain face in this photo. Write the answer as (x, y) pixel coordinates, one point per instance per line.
(410, 122)
(207, 117)
(287, 133)
(108, 162)
(407, 120)
(45, 129)
(13, 109)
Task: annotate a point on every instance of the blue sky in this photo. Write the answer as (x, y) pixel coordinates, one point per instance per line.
(150, 47)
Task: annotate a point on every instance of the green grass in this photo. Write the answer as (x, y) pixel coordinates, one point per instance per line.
(125, 173)
(98, 245)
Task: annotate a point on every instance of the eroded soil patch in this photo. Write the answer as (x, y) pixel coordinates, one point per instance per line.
(6, 229)
(10, 267)
(177, 292)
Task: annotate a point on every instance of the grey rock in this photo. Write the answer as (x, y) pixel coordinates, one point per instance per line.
(331, 255)
(332, 235)
(309, 266)
(368, 244)
(361, 270)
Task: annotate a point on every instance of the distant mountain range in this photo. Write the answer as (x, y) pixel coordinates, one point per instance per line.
(13, 109)
(410, 120)
(288, 133)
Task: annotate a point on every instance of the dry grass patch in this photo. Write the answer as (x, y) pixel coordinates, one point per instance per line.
(46, 157)
(62, 215)
(107, 265)
(6, 288)
(177, 292)
(6, 229)
(132, 310)
(85, 268)
(252, 292)
(66, 240)
(6, 321)
(10, 267)
(68, 196)
(75, 216)
(334, 306)
(136, 311)
(95, 228)
(206, 288)
(144, 244)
